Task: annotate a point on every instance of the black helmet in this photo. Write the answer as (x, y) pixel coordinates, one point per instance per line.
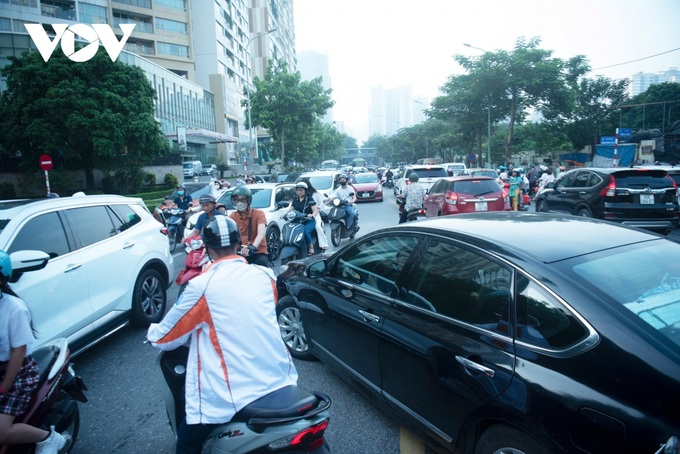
(413, 177)
(207, 198)
(221, 232)
(243, 191)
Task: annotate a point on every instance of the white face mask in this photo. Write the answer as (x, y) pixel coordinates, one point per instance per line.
(241, 206)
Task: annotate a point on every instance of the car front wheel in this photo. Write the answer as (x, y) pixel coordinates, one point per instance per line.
(149, 299)
(542, 206)
(289, 319)
(502, 439)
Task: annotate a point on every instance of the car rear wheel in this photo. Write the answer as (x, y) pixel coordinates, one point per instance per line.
(585, 212)
(502, 439)
(542, 206)
(289, 319)
(273, 243)
(149, 299)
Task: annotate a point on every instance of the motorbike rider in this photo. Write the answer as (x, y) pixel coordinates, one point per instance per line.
(346, 192)
(413, 196)
(388, 176)
(19, 372)
(208, 204)
(252, 224)
(183, 200)
(304, 203)
(236, 353)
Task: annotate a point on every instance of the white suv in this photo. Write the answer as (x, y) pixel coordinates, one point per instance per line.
(110, 264)
(427, 176)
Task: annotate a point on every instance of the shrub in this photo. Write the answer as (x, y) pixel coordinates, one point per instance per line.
(150, 179)
(171, 180)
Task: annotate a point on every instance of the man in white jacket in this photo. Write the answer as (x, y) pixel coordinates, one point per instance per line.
(236, 354)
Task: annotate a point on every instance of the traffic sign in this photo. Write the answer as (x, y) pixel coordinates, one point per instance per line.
(607, 140)
(625, 132)
(45, 162)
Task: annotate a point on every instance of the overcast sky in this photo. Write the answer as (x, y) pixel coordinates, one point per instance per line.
(411, 42)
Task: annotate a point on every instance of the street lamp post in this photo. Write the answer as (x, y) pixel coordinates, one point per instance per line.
(488, 118)
(250, 121)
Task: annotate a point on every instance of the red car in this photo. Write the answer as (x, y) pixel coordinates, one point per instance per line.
(465, 194)
(368, 187)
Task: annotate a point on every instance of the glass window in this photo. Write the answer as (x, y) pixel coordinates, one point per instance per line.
(542, 320)
(92, 14)
(91, 224)
(376, 264)
(462, 285)
(582, 179)
(284, 194)
(174, 4)
(566, 180)
(475, 188)
(126, 217)
(171, 26)
(43, 233)
(262, 198)
(172, 49)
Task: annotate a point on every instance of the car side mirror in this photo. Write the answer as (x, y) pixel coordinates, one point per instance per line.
(317, 269)
(25, 261)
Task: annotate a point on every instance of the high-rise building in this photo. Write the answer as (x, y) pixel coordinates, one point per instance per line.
(312, 65)
(391, 109)
(642, 81)
(218, 46)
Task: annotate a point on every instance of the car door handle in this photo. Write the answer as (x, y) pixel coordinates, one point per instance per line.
(468, 364)
(128, 245)
(368, 317)
(70, 268)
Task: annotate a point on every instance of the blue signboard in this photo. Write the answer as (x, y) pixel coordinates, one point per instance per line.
(607, 140)
(625, 132)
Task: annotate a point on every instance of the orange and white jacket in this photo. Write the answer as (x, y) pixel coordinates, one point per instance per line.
(236, 353)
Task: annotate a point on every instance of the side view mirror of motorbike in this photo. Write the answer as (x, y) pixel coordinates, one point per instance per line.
(283, 204)
(351, 194)
(25, 261)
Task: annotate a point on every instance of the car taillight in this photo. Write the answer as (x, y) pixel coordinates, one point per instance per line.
(451, 198)
(610, 189)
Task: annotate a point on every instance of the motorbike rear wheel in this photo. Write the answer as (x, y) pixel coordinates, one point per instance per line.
(335, 235)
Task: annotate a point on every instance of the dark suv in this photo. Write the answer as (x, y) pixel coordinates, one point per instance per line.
(646, 198)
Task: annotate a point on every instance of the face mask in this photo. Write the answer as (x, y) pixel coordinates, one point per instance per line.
(180, 192)
(344, 183)
(241, 206)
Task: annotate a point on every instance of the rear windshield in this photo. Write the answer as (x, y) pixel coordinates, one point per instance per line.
(643, 179)
(484, 173)
(474, 187)
(366, 178)
(434, 172)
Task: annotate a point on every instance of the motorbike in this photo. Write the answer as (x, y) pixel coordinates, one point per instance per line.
(174, 224)
(289, 420)
(413, 214)
(389, 182)
(672, 446)
(338, 221)
(293, 244)
(55, 400)
(196, 259)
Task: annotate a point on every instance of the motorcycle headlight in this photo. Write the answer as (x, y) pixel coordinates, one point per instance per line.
(290, 215)
(336, 202)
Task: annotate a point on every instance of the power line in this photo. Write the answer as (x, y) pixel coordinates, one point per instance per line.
(639, 59)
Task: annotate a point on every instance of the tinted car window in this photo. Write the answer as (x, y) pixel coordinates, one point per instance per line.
(475, 187)
(43, 233)
(566, 180)
(375, 264)
(439, 187)
(582, 179)
(542, 320)
(434, 172)
(284, 194)
(642, 179)
(91, 224)
(462, 285)
(126, 217)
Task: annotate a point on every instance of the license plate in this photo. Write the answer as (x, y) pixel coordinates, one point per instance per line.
(646, 199)
(365, 195)
(480, 206)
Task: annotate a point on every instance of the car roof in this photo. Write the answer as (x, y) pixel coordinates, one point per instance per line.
(551, 234)
(319, 173)
(12, 208)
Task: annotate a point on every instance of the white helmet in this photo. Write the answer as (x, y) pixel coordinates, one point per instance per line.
(302, 185)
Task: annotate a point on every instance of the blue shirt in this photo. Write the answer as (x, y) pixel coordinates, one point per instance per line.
(203, 219)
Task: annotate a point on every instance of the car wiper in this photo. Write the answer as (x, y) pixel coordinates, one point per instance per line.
(483, 193)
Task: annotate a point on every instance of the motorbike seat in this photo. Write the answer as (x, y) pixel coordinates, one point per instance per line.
(285, 402)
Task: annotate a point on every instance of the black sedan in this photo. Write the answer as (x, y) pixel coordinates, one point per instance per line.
(483, 332)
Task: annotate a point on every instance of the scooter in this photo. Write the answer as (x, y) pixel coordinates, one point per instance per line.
(55, 400)
(196, 259)
(293, 244)
(413, 214)
(338, 221)
(174, 223)
(289, 420)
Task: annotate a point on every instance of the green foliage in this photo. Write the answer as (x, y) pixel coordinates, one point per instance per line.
(289, 109)
(62, 182)
(656, 108)
(171, 180)
(7, 191)
(222, 167)
(91, 113)
(149, 179)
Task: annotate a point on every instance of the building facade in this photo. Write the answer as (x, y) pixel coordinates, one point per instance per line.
(642, 81)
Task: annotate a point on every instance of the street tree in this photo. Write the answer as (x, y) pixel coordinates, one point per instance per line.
(286, 106)
(655, 108)
(97, 114)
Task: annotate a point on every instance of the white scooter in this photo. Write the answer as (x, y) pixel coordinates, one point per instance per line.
(289, 420)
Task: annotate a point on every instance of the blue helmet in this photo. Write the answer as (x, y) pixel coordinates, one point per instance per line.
(5, 264)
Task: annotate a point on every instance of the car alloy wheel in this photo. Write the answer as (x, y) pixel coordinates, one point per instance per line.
(292, 330)
(148, 299)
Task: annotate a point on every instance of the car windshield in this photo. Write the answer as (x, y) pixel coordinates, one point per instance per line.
(484, 173)
(644, 279)
(474, 187)
(321, 181)
(262, 198)
(366, 178)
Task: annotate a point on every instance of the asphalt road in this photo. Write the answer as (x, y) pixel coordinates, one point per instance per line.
(125, 412)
